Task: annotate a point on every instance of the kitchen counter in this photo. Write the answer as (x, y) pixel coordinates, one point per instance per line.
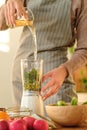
(81, 127)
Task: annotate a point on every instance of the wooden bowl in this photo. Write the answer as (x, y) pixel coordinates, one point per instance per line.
(67, 115)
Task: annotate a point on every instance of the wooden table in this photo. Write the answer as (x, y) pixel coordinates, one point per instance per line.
(81, 127)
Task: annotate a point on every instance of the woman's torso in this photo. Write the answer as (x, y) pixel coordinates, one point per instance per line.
(52, 23)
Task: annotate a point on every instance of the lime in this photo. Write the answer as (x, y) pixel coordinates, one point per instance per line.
(84, 102)
(61, 103)
(74, 101)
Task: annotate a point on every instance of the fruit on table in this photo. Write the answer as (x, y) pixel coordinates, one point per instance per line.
(24, 123)
(4, 115)
(18, 124)
(40, 125)
(4, 125)
(29, 121)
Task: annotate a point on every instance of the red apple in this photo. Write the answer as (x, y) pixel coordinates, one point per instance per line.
(29, 120)
(40, 125)
(11, 120)
(18, 124)
(4, 125)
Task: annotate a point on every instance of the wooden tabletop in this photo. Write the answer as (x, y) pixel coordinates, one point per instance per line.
(80, 127)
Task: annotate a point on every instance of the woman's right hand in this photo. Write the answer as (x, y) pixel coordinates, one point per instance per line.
(56, 78)
(11, 8)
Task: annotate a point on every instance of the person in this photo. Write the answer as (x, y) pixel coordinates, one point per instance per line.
(58, 23)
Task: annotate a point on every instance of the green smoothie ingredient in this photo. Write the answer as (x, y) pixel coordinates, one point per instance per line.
(61, 103)
(32, 80)
(84, 102)
(74, 101)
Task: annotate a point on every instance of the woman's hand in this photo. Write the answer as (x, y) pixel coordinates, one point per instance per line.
(13, 9)
(56, 76)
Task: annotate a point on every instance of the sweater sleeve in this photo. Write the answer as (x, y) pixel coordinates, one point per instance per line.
(3, 25)
(79, 57)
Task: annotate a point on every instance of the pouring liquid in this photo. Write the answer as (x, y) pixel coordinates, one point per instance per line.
(31, 27)
(29, 99)
(33, 32)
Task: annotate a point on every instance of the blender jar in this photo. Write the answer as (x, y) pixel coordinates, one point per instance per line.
(31, 72)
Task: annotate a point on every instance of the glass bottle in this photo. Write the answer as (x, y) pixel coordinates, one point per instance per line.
(21, 21)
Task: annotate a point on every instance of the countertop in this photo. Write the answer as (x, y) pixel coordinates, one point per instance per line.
(80, 127)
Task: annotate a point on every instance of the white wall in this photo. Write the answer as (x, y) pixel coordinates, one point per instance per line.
(6, 59)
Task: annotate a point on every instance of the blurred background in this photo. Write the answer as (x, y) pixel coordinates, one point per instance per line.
(9, 40)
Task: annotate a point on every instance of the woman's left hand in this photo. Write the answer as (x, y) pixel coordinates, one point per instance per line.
(57, 77)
